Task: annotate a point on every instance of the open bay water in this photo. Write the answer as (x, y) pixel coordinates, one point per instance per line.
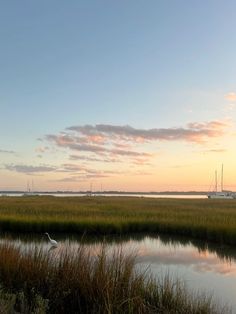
(148, 195)
(203, 267)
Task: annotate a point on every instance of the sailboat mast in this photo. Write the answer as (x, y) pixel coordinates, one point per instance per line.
(222, 173)
(216, 181)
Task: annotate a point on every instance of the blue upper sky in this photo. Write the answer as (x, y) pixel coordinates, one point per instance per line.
(147, 64)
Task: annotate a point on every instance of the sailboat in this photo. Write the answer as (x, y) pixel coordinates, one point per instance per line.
(29, 191)
(222, 194)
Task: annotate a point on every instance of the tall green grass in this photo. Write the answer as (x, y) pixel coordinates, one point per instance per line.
(79, 282)
(213, 220)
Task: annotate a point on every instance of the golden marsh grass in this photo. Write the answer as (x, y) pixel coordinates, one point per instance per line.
(78, 282)
(213, 220)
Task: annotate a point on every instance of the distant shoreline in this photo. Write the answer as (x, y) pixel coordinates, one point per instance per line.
(109, 192)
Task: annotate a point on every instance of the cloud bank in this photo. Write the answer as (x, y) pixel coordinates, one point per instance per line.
(112, 142)
(193, 132)
(108, 143)
(93, 150)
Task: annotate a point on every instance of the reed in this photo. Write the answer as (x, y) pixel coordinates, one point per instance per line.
(88, 282)
(213, 220)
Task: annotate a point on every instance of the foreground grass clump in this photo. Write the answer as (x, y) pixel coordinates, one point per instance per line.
(14, 303)
(82, 282)
(213, 220)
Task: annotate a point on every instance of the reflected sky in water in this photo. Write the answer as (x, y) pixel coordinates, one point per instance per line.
(203, 267)
(201, 270)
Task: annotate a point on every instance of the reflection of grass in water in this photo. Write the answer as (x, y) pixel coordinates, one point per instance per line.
(223, 251)
(226, 253)
(213, 220)
(78, 282)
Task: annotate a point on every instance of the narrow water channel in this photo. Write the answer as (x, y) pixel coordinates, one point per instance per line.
(203, 267)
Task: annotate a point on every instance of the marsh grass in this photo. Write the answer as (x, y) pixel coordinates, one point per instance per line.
(81, 282)
(213, 220)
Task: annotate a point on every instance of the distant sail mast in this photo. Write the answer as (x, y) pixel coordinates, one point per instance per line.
(221, 180)
(216, 184)
(222, 175)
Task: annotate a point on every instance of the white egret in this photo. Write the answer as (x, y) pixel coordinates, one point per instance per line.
(53, 242)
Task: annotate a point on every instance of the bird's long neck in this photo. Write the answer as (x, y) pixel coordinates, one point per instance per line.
(49, 237)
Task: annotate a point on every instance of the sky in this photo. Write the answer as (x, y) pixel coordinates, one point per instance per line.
(124, 95)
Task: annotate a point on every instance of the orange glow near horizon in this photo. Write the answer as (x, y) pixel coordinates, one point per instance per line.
(121, 162)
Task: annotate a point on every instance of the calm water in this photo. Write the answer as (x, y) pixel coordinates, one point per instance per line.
(203, 267)
(110, 194)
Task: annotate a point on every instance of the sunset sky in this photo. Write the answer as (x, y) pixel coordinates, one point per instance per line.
(124, 95)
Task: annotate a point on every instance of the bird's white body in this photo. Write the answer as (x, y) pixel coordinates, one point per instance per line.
(53, 242)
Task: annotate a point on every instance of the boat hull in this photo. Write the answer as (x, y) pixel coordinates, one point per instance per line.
(221, 196)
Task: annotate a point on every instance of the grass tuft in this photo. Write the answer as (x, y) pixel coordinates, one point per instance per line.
(85, 282)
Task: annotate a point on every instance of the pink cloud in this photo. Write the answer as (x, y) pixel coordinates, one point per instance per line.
(230, 96)
(113, 143)
(29, 169)
(193, 132)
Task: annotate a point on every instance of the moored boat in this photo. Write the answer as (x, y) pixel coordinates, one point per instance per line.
(222, 194)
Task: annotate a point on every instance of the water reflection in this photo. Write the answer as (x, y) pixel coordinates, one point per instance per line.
(169, 243)
(154, 252)
(197, 263)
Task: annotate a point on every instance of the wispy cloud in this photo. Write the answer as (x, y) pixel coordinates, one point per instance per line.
(94, 159)
(193, 132)
(85, 144)
(220, 150)
(72, 170)
(84, 177)
(230, 96)
(42, 149)
(75, 169)
(88, 174)
(3, 151)
(230, 107)
(28, 169)
(79, 173)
